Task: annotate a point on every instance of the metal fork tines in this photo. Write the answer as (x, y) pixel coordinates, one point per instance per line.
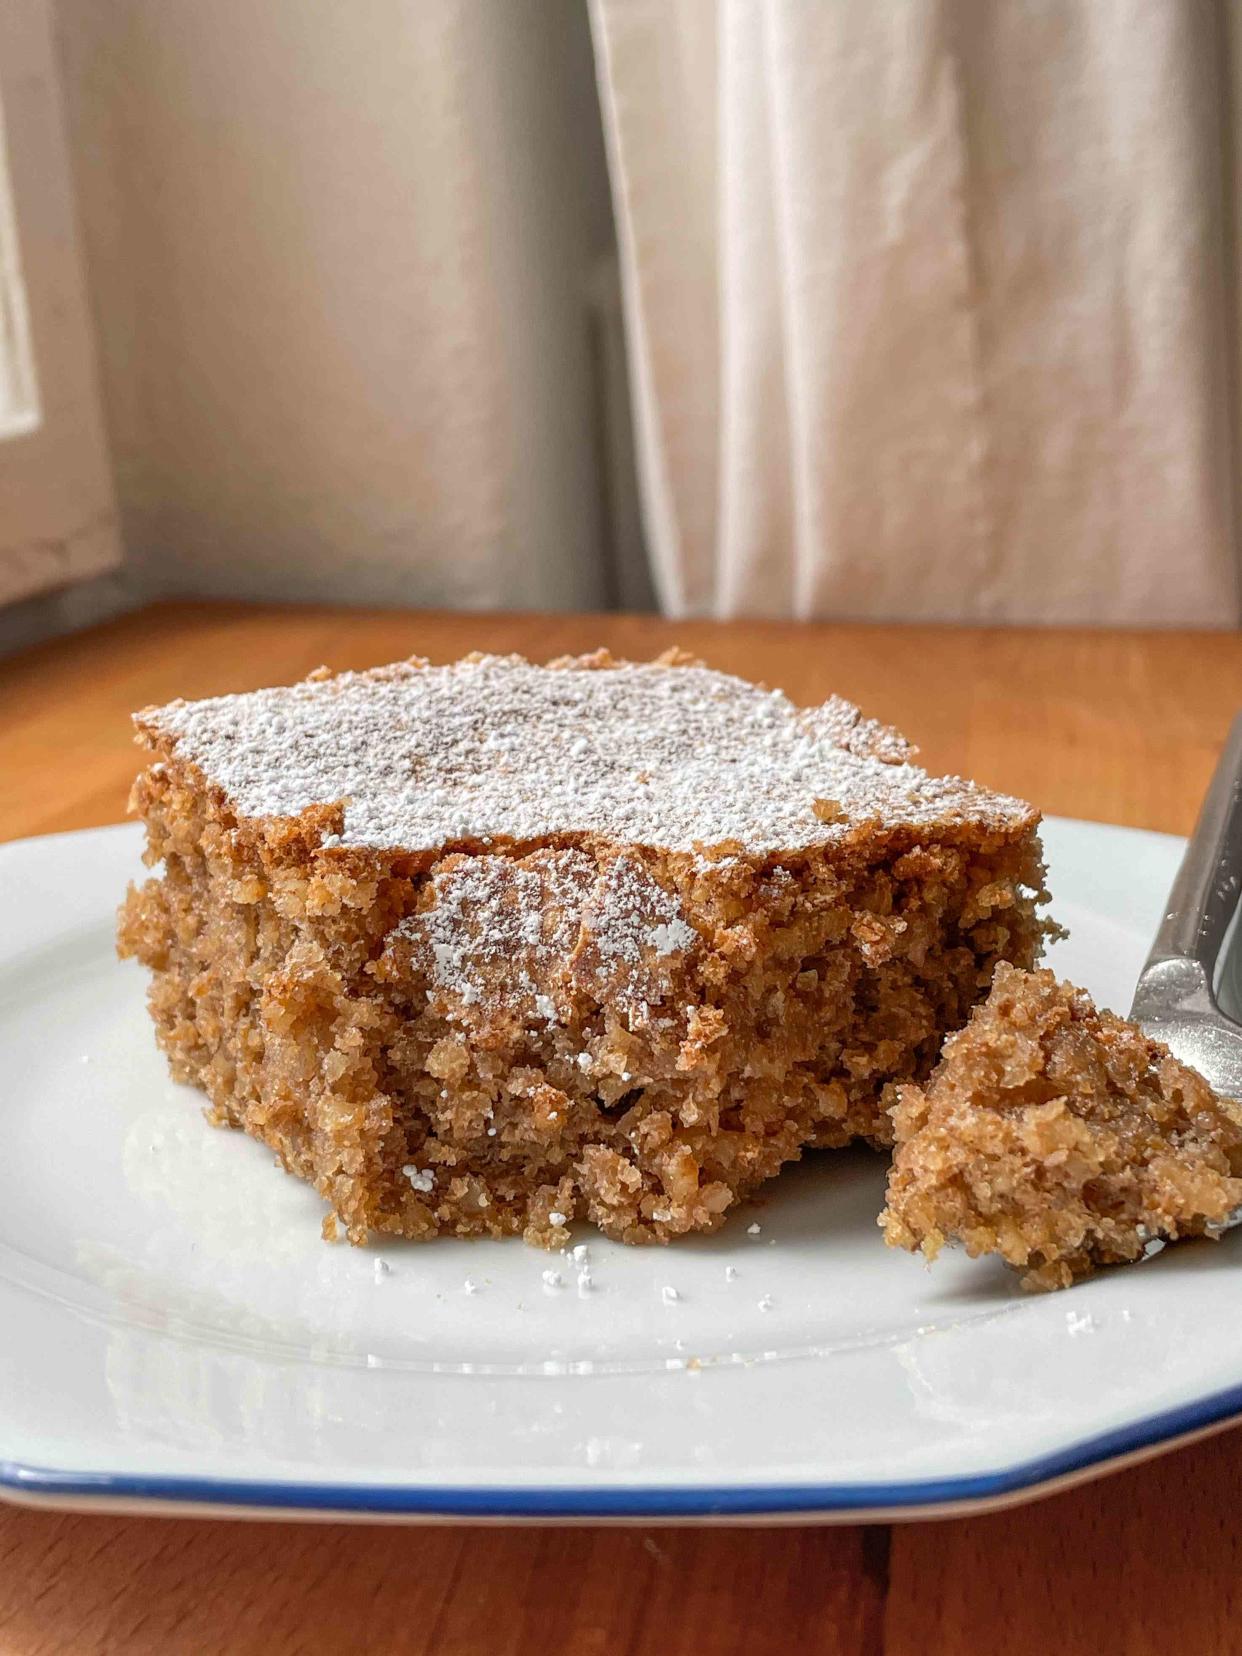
(1177, 996)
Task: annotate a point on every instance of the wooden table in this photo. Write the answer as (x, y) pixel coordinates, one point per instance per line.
(1119, 727)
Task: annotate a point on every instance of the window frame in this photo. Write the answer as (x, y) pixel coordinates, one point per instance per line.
(58, 515)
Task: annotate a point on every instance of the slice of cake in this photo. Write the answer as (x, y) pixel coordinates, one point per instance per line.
(1060, 1138)
(485, 948)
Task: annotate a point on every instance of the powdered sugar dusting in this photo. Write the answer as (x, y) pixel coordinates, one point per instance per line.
(492, 926)
(520, 931)
(495, 749)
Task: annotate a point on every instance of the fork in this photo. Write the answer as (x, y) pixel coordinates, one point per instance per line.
(1176, 1000)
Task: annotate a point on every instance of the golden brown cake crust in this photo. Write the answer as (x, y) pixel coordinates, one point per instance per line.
(544, 1017)
(1059, 1137)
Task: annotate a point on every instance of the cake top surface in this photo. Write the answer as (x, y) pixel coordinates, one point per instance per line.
(494, 749)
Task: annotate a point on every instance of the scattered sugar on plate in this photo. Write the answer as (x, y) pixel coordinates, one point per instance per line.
(765, 1304)
(730, 1273)
(669, 1294)
(753, 1230)
(470, 1285)
(552, 1279)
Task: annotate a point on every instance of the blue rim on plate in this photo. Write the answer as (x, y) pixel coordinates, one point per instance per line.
(677, 1501)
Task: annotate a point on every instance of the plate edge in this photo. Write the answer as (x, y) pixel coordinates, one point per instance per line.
(1093, 1456)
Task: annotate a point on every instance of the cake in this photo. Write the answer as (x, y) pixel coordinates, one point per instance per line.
(1061, 1138)
(488, 948)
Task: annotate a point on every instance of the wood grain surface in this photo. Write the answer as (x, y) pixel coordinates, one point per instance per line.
(1117, 727)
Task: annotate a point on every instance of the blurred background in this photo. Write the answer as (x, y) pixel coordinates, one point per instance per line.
(918, 309)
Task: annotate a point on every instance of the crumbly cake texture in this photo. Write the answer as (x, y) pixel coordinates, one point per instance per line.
(1061, 1138)
(491, 947)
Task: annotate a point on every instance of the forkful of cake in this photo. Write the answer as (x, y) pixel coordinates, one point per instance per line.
(1062, 1137)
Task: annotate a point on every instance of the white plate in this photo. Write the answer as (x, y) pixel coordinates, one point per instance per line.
(173, 1330)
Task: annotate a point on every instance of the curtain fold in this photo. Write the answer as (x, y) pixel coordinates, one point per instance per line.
(925, 306)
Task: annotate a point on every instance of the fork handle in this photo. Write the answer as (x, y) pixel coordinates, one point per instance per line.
(1205, 892)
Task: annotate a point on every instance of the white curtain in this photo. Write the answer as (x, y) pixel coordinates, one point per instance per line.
(925, 305)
